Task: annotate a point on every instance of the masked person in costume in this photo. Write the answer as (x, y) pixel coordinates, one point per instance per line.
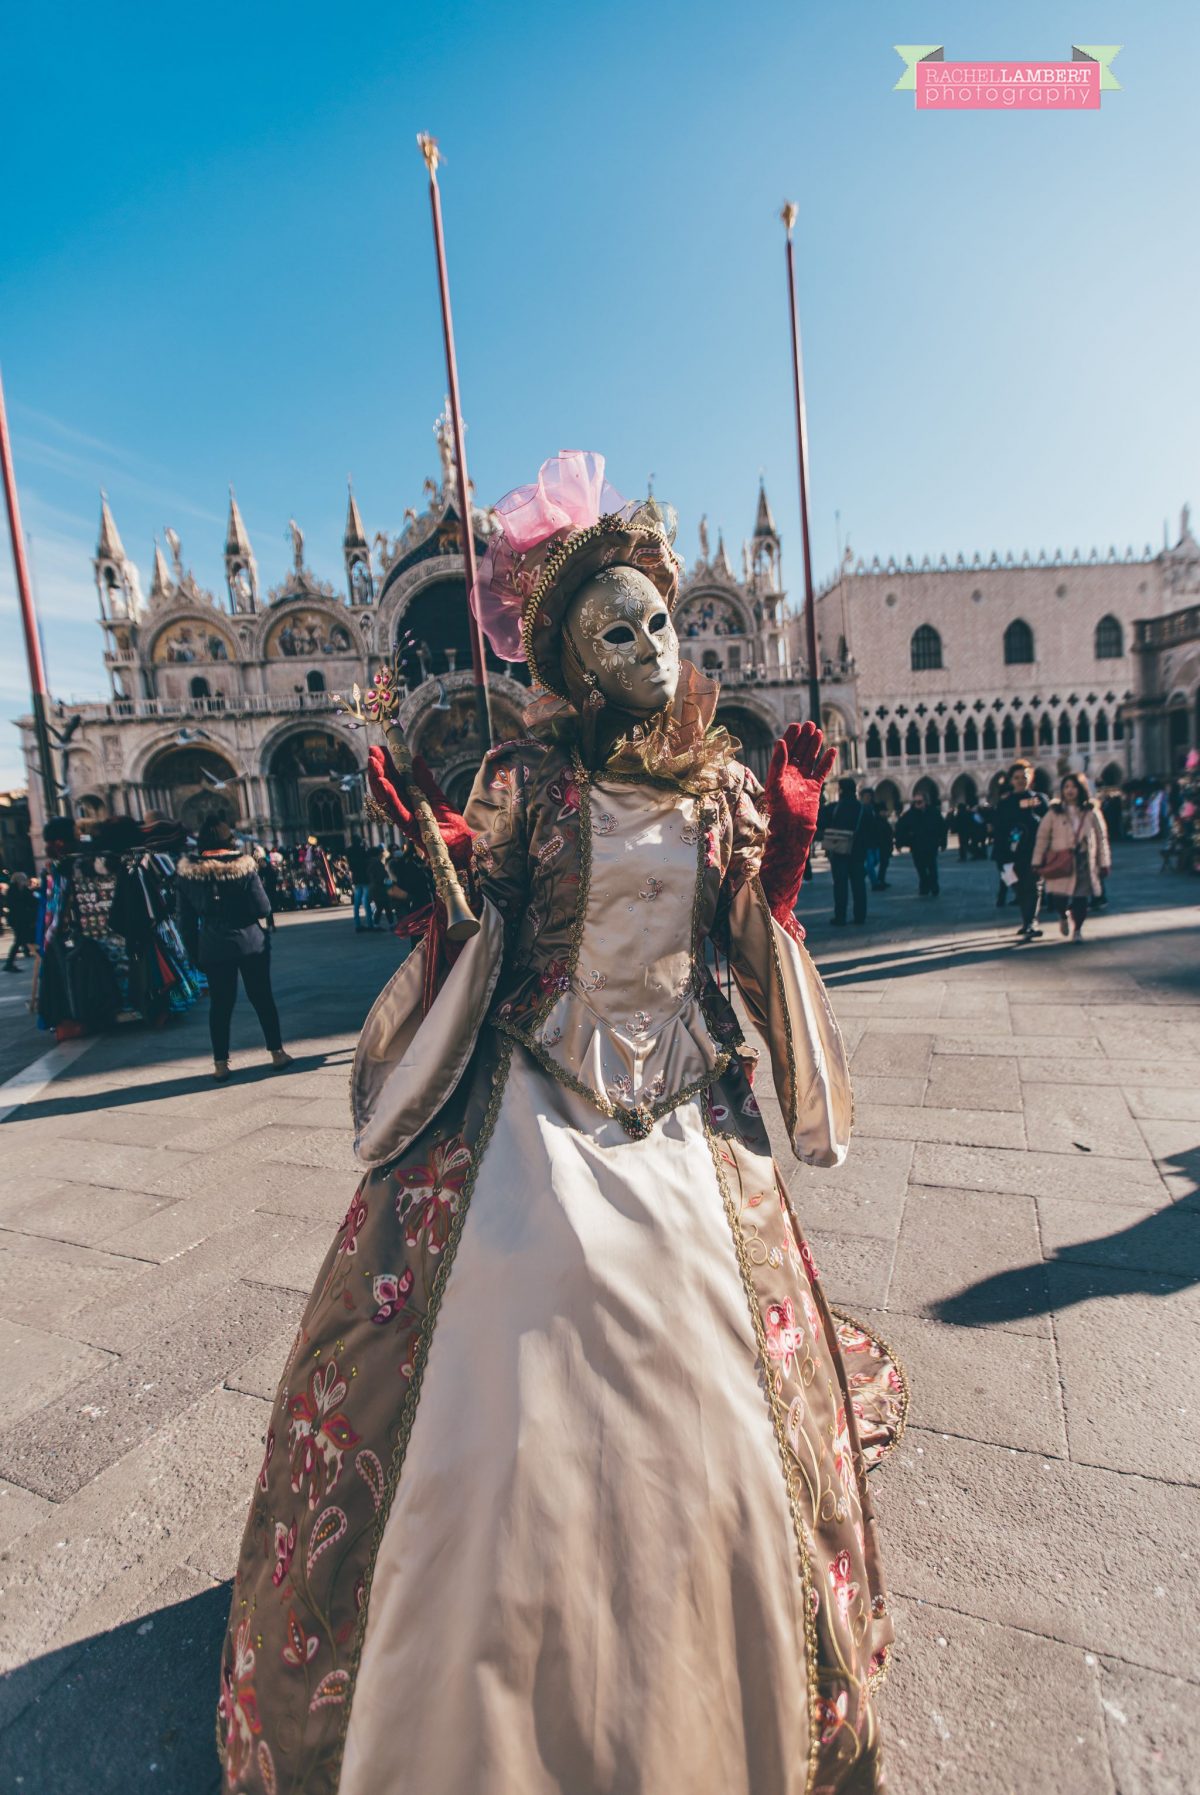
(564, 1487)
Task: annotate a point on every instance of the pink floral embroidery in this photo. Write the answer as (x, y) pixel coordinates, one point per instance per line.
(285, 1550)
(564, 791)
(301, 1647)
(845, 1590)
(429, 1194)
(320, 1433)
(351, 1227)
(391, 1293)
(239, 1707)
(784, 1338)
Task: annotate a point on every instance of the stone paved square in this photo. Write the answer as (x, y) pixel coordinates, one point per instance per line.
(1019, 1217)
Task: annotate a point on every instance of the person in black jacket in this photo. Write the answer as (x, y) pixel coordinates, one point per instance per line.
(1014, 831)
(223, 914)
(922, 831)
(21, 908)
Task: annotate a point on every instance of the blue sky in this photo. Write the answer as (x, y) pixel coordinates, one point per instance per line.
(216, 266)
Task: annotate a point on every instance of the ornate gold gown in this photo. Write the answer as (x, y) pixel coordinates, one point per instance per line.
(564, 1489)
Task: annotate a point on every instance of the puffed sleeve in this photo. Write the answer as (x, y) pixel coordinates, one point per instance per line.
(787, 1000)
(408, 1062)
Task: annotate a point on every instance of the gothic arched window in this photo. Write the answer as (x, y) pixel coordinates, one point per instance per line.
(951, 743)
(970, 737)
(199, 688)
(1008, 735)
(1083, 730)
(893, 742)
(1110, 639)
(315, 681)
(925, 649)
(874, 745)
(1018, 644)
(1064, 731)
(1101, 726)
(1045, 731)
(1027, 732)
(912, 742)
(989, 735)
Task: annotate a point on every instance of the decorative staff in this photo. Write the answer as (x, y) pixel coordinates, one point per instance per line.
(483, 704)
(33, 645)
(788, 216)
(380, 704)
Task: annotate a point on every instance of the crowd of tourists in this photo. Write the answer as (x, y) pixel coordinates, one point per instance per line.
(133, 921)
(1052, 855)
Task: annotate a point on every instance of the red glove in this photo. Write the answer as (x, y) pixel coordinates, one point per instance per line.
(383, 779)
(792, 794)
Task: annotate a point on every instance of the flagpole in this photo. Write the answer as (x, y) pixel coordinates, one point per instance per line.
(788, 216)
(483, 705)
(33, 645)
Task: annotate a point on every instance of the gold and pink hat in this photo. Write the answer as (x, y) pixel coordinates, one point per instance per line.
(553, 536)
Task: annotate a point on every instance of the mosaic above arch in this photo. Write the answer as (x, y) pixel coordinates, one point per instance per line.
(190, 640)
(307, 635)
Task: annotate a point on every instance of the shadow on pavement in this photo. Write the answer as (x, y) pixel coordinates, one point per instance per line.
(1155, 1256)
(127, 1096)
(130, 1710)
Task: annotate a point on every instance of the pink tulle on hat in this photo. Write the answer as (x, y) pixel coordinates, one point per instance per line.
(569, 497)
(570, 493)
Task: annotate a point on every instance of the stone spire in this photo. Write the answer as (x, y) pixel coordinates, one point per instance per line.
(109, 547)
(355, 536)
(241, 569)
(764, 523)
(721, 559)
(237, 542)
(360, 581)
(160, 586)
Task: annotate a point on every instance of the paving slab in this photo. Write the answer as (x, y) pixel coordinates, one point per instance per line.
(865, 1195)
(853, 1268)
(901, 1055)
(1093, 1558)
(48, 1282)
(1121, 1339)
(36, 1368)
(20, 1510)
(1059, 1047)
(1164, 1102)
(1151, 1723)
(1161, 1075)
(119, 1403)
(971, 1260)
(874, 1088)
(1124, 1236)
(969, 1705)
(84, 1214)
(97, 1559)
(1037, 1174)
(973, 1082)
(960, 1127)
(983, 1383)
(1067, 1118)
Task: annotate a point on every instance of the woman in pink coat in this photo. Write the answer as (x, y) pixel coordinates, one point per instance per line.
(1072, 854)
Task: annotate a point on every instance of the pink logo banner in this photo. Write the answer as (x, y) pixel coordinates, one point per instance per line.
(1016, 86)
(999, 86)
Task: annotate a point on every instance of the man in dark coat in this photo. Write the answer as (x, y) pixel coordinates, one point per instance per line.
(1014, 832)
(922, 831)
